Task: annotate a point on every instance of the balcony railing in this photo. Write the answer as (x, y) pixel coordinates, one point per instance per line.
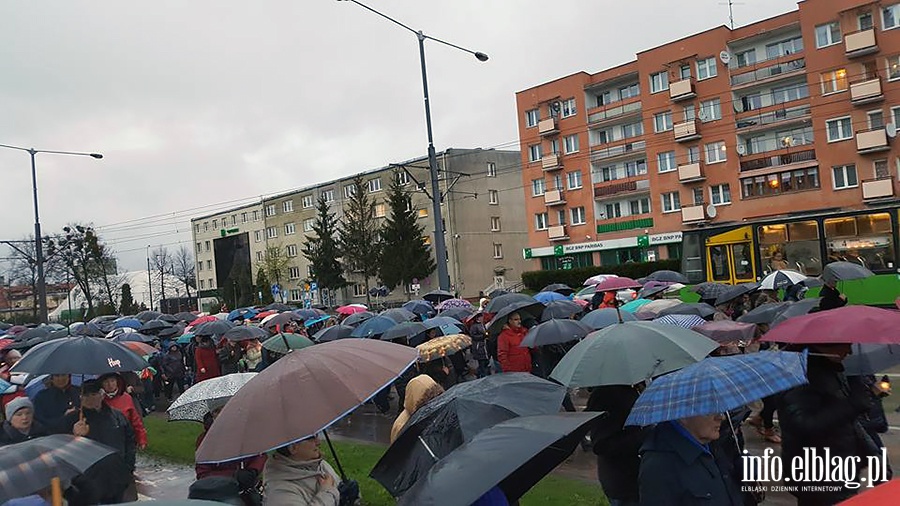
(611, 113)
(866, 92)
(686, 131)
(690, 172)
(693, 214)
(557, 233)
(767, 72)
(880, 188)
(548, 126)
(551, 162)
(554, 198)
(604, 226)
(767, 118)
(860, 43)
(778, 160)
(608, 190)
(872, 141)
(622, 149)
(682, 90)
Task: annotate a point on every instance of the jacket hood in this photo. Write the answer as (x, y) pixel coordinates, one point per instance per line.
(120, 383)
(419, 391)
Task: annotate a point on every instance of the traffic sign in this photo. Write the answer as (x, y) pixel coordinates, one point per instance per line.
(313, 286)
(276, 289)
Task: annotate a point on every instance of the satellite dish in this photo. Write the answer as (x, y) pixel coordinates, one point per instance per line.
(891, 130)
(711, 211)
(741, 149)
(725, 57)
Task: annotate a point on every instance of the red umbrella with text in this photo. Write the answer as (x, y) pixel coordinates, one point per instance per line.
(848, 324)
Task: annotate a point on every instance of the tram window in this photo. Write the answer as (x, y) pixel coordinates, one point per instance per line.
(840, 227)
(743, 261)
(792, 246)
(870, 245)
(692, 262)
(718, 263)
(803, 231)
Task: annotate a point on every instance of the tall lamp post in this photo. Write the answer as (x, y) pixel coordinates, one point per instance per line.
(38, 245)
(440, 246)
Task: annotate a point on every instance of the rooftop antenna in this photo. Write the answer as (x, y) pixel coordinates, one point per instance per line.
(731, 4)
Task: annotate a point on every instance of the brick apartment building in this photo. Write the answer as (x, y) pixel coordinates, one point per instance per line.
(793, 113)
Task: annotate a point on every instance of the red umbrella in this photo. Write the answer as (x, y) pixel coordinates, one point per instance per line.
(848, 324)
(139, 347)
(262, 315)
(727, 331)
(4, 343)
(351, 309)
(616, 284)
(203, 319)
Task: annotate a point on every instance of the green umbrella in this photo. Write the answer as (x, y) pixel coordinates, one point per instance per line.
(283, 343)
(629, 353)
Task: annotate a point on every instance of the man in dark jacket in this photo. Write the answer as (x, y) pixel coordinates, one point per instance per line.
(831, 297)
(615, 445)
(59, 399)
(173, 371)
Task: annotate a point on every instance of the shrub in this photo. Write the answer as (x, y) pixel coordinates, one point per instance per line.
(535, 280)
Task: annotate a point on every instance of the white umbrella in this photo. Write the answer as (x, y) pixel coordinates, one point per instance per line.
(206, 396)
(599, 278)
(781, 279)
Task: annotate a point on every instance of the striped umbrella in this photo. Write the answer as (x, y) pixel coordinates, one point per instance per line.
(687, 321)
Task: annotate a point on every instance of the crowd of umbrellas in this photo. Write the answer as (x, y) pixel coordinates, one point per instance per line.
(323, 378)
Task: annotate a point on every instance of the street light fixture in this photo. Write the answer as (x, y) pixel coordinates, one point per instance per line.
(38, 245)
(440, 246)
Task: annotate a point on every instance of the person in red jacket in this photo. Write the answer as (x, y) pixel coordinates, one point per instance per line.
(512, 357)
(116, 397)
(206, 361)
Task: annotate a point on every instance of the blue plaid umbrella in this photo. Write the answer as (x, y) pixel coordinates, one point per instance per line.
(687, 321)
(718, 384)
(602, 318)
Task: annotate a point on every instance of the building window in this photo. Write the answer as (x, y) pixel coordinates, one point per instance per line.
(659, 82)
(662, 121)
(706, 68)
(784, 48)
(349, 191)
(746, 58)
(209, 265)
(720, 194)
(328, 195)
(215, 224)
(295, 294)
(271, 233)
(199, 247)
(671, 202)
(532, 117)
(234, 219)
(359, 290)
(422, 213)
(890, 17)
(538, 187)
(828, 34)
(498, 250)
(568, 108)
(287, 206)
(710, 110)
(845, 176)
(684, 72)
(291, 250)
(294, 272)
(256, 215)
(380, 210)
(495, 223)
(839, 129)
(632, 130)
(573, 180)
(666, 161)
(199, 266)
(639, 206)
(257, 235)
(541, 221)
(697, 194)
(290, 229)
(259, 256)
(613, 210)
(202, 284)
(864, 21)
(880, 169)
(632, 90)
(308, 224)
(776, 184)
(690, 114)
(635, 168)
(875, 119)
(570, 143)
(243, 217)
(206, 245)
(492, 169)
(790, 93)
(534, 152)
(375, 185)
(578, 216)
(270, 211)
(211, 283)
(893, 67)
(402, 178)
(693, 154)
(834, 81)
(715, 152)
(493, 197)
(306, 201)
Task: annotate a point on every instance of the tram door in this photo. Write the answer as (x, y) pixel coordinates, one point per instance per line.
(729, 257)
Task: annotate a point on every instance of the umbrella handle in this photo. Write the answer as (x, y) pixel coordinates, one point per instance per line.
(56, 491)
(337, 461)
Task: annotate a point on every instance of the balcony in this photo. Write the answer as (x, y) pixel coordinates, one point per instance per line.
(557, 233)
(551, 162)
(682, 90)
(690, 173)
(548, 126)
(620, 151)
(872, 141)
(613, 114)
(860, 43)
(866, 92)
(615, 189)
(882, 188)
(760, 74)
(776, 118)
(686, 131)
(693, 214)
(554, 198)
(765, 162)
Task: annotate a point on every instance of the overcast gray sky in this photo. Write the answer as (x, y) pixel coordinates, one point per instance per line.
(196, 103)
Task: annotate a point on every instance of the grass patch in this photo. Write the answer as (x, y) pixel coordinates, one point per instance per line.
(175, 442)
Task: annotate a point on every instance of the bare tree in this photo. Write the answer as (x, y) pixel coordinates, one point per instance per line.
(23, 268)
(184, 266)
(162, 262)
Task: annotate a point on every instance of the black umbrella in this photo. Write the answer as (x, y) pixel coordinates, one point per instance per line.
(133, 336)
(496, 324)
(245, 333)
(173, 331)
(498, 303)
(667, 277)
(440, 321)
(283, 318)
(710, 289)
(871, 359)
(764, 313)
(169, 318)
(457, 313)
(799, 308)
(146, 316)
(454, 417)
(186, 316)
(559, 288)
(277, 306)
(700, 309)
(155, 326)
(514, 455)
(373, 326)
(399, 314)
(735, 292)
(40, 331)
(420, 307)
(79, 355)
(555, 332)
(437, 296)
(403, 330)
(91, 330)
(215, 328)
(497, 293)
(560, 309)
(307, 313)
(332, 333)
(843, 271)
(357, 318)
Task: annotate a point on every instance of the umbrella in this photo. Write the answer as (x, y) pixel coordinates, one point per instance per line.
(655, 308)
(667, 277)
(718, 385)
(602, 318)
(173, 331)
(781, 279)
(727, 331)
(262, 315)
(403, 330)
(185, 338)
(498, 303)
(629, 353)
(616, 284)
(357, 318)
(458, 313)
(882, 495)
(212, 328)
(185, 316)
(559, 288)
(711, 289)
(4, 343)
(456, 416)
(129, 323)
(309, 391)
(29, 467)
(373, 326)
(440, 321)
(443, 346)
(700, 309)
(449, 303)
(420, 307)
(514, 455)
(535, 309)
(351, 309)
(497, 293)
(278, 306)
(146, 316)
(79, 355)
(280, 319)
(400, 315)
(764, 313)
(599, 278)
(284, 343)
(307, 313)
(799, 308)
(735, 292)
(560, 309)
(40, 331)
(687, 321)
(871, 359)
(436, 296)
(207, 396)
(168, 318)
(547, 297)
(555, 332)
(91, 330)
(132, 336)
(848, 324)
(245, 333)
(332, 333)
(845, 271)
(140, 348)
(443, 329)
(314, 321)
(652, 288)
(632, 306)
(115, 332)
(202, 319)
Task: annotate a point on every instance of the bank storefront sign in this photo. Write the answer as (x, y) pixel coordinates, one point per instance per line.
(641, 241)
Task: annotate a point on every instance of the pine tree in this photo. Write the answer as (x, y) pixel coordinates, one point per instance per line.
(405, 256)
(127, 306)
(323, 250)
(359, 241)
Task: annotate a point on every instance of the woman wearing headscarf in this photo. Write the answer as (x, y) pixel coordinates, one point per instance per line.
(419, 391)
(513, 358)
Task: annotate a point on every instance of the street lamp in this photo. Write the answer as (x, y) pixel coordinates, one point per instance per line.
(38, 246)
(440, 247)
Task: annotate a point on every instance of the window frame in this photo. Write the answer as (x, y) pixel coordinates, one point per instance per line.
(576, 174)
(571, 144)
(541, 217)
(845, 171)
(287, 206)
(497, 251)
(831, 40)
(311, 222)
(528, 117)
(667, 123)
(896, 8)
(723, 189)
(494, 197)
(535, 153)
(578, 215)
(710, 71)
(719, 145)
(568, 108)
(663, 77)
(496, 226)
(534, 187)
(673, 199)
(290, 228)
(270, 210)
(673, 159)
(374, 185)
(849, 120)
(714, 109)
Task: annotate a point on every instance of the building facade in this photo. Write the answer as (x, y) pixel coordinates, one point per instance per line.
(793, 113)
